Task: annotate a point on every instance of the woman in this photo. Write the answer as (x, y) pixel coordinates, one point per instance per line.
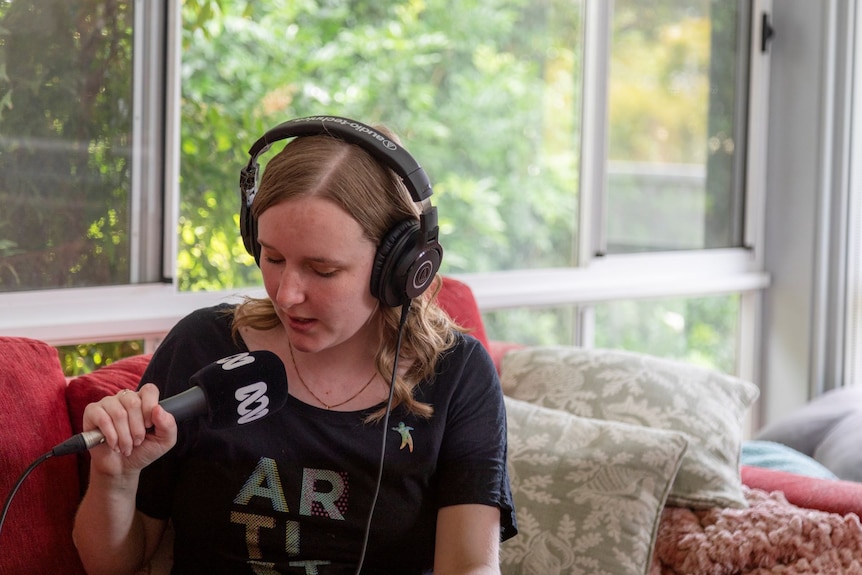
(295, 492)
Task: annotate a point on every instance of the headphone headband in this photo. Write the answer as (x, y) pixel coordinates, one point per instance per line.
(412, 265)
(378, 145)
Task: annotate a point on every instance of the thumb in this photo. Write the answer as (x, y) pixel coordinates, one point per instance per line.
(164, 425)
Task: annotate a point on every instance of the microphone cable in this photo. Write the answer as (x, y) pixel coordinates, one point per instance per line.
(405, 309)
(8, 503)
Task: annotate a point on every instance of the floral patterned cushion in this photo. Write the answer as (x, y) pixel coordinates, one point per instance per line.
(588, 493)
(708, 406)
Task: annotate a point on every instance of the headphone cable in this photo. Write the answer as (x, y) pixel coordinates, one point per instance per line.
(404, 311)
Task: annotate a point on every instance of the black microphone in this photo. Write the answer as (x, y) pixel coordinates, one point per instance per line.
(232, 391)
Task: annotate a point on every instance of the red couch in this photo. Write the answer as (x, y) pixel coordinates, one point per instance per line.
(41, 408)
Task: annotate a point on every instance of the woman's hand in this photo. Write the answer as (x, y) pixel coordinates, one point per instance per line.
(124, 419)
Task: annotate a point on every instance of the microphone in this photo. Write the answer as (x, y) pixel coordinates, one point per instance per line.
(232, 391)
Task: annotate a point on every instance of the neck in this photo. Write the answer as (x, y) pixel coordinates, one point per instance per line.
(332, 394)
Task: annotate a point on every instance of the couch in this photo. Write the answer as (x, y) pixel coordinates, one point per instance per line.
(613, 472)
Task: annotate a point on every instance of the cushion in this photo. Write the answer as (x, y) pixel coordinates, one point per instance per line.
(771, 455)
(708, 406)
(805, 428)
(828, 428)
(108, 380)
(37, 532)
(456, 298)
(830, 495)
(588, 493)
(841, 449)
(91, 387)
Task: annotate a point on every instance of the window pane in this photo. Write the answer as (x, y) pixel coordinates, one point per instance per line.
(548, 326)
(703, 331)
(676, 125)
(65, 137)
(88, 357)
(485, 94)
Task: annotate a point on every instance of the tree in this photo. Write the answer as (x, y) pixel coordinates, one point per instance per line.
(65, 153)
(457, 81)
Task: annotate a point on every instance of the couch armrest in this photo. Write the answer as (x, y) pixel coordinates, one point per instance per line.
(831, 495)
(37, 533)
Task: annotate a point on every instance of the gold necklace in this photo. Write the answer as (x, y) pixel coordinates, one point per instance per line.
(314, 395)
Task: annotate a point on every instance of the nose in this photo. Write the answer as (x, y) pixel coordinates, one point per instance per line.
(291, 289)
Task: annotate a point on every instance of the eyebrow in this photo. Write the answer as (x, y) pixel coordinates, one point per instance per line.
(315, 259)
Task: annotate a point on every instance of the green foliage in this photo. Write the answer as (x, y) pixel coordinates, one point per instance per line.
(702, 331)
(87, 357)
(65, 150)
(697, 330)
(473, 89)
(660, 81)
(485, 93)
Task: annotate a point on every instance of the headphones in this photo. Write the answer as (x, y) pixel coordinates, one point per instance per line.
(409, 255)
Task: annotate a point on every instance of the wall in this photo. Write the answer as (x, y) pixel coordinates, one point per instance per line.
(807, 137)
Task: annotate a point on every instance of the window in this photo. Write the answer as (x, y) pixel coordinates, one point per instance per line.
(72, 160)
(677, 120)
(66, 153)
(80, 161)
(493, 112)
(702, 331)
(562, 168)
(485, 94)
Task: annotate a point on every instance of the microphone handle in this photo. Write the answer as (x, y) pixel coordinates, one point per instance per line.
(190, 403)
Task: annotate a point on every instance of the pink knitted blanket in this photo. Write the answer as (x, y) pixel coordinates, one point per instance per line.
(770, 536)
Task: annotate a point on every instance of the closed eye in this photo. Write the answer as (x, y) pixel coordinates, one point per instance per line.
(325, 273)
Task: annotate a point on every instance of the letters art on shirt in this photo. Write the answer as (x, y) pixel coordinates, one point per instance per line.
(265, 482)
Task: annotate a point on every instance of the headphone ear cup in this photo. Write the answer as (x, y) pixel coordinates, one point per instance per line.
(248, 231)
(391, 247)
(401, 270)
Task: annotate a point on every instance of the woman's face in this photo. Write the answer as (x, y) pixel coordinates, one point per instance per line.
(316, 265)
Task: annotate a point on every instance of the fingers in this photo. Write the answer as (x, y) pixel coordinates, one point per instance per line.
(149, 396)
(137, 426)
(158, 419)
(165, 427)
(128, 421)
(123, 418)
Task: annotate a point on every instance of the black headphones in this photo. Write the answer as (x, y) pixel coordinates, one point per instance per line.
(408, 257)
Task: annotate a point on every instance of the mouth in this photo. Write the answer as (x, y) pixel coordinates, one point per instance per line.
(300, 323)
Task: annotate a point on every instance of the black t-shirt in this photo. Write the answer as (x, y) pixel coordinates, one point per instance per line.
(291, 493)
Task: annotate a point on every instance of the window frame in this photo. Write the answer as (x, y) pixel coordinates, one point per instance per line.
(148, 310)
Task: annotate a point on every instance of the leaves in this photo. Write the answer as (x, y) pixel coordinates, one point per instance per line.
(458, 82)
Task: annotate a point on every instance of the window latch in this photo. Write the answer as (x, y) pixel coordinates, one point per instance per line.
(766, 32)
